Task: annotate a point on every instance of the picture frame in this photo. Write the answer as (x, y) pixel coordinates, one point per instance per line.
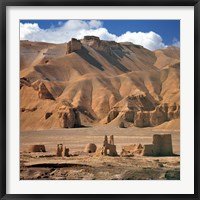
(3, 100)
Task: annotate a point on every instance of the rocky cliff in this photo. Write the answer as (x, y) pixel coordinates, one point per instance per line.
(91, 81)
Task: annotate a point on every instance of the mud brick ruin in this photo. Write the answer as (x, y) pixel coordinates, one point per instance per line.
(161, 146)
(65, 152)
(36, 148)
(59, 150)
(90, 148)
(108, 148)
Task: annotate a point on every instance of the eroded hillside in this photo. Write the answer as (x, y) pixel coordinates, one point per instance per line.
(91, 81)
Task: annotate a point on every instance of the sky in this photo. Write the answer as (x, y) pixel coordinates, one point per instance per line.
(152, 34)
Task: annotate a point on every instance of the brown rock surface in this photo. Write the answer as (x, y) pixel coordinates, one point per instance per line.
(103, 81)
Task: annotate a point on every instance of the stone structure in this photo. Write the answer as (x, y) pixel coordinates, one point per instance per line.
(65, 152)
(62, 152)
(131, 150)
(90, 148)
(162, 146)
(36, 148)
(59, 150)
(108, 148)
(73, 45)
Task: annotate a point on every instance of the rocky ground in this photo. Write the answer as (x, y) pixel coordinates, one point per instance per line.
(83, 166)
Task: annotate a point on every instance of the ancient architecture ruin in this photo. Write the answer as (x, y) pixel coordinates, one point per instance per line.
(108, 148)
(73, 45)
(62, 152)
(90, 148)
(161, 146)
(131, 150)
(36, 148)
(65, 152)
(59, 150)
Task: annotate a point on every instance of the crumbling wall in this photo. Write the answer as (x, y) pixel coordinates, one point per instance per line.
(73, 45)
(36, 148)
(131, 150)
(148, 150)
(108, 148)
(161, 146)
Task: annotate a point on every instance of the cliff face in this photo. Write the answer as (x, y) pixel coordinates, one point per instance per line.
(97, 81)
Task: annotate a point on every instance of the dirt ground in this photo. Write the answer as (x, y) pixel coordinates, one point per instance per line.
(46, 166)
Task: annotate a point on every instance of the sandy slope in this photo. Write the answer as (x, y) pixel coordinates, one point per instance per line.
(95, 79)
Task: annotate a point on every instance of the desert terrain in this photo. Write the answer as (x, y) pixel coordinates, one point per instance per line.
(77, 92)
(88, 166)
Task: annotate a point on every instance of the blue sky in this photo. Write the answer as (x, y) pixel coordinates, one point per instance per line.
(152, 34)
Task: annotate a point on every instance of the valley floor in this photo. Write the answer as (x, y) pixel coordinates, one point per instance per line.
(89, 166)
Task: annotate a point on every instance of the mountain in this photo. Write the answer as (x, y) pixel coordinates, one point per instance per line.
(92, 81)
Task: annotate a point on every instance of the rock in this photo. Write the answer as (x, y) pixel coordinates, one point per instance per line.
(158, 116)
(36, 84)
(161, 114)
(112, 115)
(47, 115)
(121, 125)
(43, 92)
(68, 117)
(73, 45)
(172, 175)
(174, 111)
(24, 82)
(142, 119)
(128, 116)
(90, 148)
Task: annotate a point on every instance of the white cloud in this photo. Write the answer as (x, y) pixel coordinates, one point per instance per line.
(176, 43)
(79, 28)
(28, 29)
(150, 40)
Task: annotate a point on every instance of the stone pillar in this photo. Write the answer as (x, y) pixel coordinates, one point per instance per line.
(112, 139)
